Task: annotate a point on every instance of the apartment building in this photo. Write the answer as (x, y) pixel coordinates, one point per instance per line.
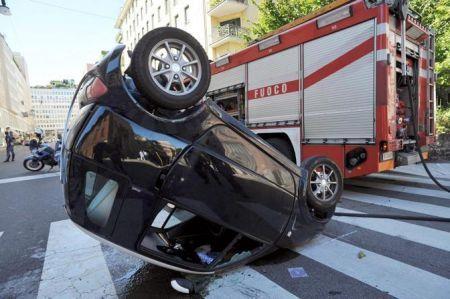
(228, 20)
(217, 24)
(15, 97)
(50, 107)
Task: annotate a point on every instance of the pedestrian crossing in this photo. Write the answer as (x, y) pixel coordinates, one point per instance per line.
(245, 282)
(396, 278)
(407, 231)
(439, 170)
(406, 205)
(393, 177)
(75, 265)
(399, 188)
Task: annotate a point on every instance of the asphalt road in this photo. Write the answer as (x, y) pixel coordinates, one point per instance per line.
(43, 255)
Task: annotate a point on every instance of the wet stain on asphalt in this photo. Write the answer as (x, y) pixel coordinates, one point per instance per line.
(134, 278)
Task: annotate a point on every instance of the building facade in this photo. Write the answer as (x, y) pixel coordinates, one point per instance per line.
(50, 107)
(228, 21)
(15, 96)
(217, 24)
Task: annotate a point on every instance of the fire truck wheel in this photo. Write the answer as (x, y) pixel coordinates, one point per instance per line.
(170, 68)
(283, 146)
(325, 183)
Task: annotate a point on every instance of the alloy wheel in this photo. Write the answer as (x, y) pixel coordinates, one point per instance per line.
(174, 67)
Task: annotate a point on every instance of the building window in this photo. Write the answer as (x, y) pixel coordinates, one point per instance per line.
(233, 22)
(146, 6)
(147, 25)
(153, 21)
(176, 21)
(159, 13)
(166, 6)
(174, 2)
(142, 13)
(142, 31)
(186, 15)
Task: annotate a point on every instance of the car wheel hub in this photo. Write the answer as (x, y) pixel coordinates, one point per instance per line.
(175, 67)
(323, 183)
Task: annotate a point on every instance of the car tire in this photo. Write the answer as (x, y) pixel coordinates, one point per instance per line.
(283, 146)
(324, 188)
(170, 68)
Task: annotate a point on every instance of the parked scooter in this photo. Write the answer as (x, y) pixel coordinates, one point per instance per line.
(44, 155)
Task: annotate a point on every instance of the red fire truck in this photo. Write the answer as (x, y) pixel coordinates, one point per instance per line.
(329, 84)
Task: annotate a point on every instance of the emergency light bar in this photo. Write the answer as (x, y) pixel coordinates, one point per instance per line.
(270, 42)
(334, 16)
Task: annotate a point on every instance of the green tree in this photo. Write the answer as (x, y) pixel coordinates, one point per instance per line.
(275, 13)
(436, 14)
(443, 120)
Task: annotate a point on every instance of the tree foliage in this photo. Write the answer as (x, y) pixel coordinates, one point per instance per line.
(434, 13)
(276, 13)
(443, 120)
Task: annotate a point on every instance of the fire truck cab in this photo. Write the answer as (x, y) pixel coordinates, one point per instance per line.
(329, 84)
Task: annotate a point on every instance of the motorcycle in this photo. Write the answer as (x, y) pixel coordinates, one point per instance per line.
(44, 155)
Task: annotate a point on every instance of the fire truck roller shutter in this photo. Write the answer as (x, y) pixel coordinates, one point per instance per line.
(340, 86)
(273, 87)
(231, 77)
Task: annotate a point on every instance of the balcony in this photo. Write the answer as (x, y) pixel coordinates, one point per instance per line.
(227, 33)
(222, 8)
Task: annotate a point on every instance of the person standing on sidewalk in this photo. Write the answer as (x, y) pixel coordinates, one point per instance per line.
(9, 138)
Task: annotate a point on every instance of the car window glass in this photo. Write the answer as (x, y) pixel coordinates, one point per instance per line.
(228, 143)
(99, 194)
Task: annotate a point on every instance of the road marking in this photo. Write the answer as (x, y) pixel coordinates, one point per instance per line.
(399, 229)
(405, 178)
(29, 178)
(74, 265)
(398, 188)
(245, 282)
(398, 279)
(439, 170)
(1, 234)
(401, 204)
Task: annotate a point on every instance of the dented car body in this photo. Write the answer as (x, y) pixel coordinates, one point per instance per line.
(193, 190)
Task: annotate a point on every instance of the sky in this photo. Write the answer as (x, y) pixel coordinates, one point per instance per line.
(56, 42)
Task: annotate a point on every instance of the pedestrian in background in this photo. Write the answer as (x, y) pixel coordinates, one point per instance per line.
(9, 138)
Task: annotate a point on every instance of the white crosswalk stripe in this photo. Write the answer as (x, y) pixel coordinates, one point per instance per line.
(399, 188)
(439, 170)
(74, 265)
(398, 279)
(406, 205)
(245, 281)
(29, 178)
(406, 178)
(407, 231)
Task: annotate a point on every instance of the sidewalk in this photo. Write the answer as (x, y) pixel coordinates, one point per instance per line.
(16, 169)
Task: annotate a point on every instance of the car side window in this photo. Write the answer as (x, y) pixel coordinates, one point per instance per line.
(237, 148)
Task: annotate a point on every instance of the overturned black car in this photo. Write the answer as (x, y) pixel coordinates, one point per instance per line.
(150, 166)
